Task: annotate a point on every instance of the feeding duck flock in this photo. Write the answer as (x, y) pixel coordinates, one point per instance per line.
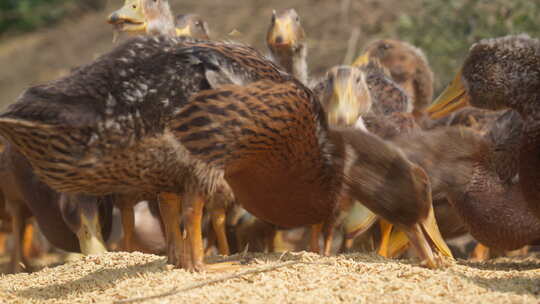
(230, 148)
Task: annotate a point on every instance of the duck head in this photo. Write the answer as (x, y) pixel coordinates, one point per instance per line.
(129, 18)
(192, 25)
(346, 95)
(497, 74)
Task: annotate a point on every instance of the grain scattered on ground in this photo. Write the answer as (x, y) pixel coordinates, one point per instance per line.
(355, 278)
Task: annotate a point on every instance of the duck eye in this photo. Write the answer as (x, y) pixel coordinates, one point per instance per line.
(297, 19)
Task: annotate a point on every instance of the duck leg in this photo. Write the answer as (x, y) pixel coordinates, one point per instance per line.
(17, 228)
(170, 210)
(346, 245)
(386, 230)
(128, 224)
(329, 229)
(3, 238)
(218, 223)
(480, 253)
(28, 240)
(316, 231)
(192, 213)
(275, 241)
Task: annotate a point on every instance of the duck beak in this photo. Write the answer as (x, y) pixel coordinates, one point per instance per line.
(453, 98)
(344, 104)
(362, 60)
(184, 31)
(393, 241)
(282, 34)
(358, 221)
(129, 18)
(422, 236)
(429, 225)
(89, 233)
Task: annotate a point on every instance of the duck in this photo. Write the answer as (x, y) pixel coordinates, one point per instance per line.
(408, 67)
(157, 19)
(511, 56)
(71, 222)
(192, 25)
(478, 176)
(233, 116)
(346, 95)
(286, 41)
(508, 65)
(131, 18)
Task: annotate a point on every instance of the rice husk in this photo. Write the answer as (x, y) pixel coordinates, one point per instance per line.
(353, 278)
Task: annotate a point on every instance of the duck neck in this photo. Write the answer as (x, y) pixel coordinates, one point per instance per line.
(160, 21)
(529, 161)
(294, 62)
(423, 87)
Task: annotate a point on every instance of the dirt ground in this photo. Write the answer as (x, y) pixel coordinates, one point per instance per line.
(301, 278)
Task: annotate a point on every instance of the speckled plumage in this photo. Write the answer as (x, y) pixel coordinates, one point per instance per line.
(87, 126)
(505, 72)
(408, 67)
(388, 97)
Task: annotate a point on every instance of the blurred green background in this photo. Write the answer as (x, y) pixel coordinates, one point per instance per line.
(43, 39)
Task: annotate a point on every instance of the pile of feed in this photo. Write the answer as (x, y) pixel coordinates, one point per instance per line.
(281, 278)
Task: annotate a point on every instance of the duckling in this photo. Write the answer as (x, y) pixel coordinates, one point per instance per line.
(497, 74)
(408, 67)
(69, 222)
(286, 41)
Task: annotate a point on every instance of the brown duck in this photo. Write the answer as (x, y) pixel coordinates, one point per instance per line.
(156, 18)
(286, 40)
(75, 223)
(497, 74)
(408, 67)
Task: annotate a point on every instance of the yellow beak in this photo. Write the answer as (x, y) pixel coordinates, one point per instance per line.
(358, 220)
(362, 60)
(130, 16)
(184, 31)
(344, 107)
(282, 29)
(394, 241)
(89, 235)
(453, 98)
